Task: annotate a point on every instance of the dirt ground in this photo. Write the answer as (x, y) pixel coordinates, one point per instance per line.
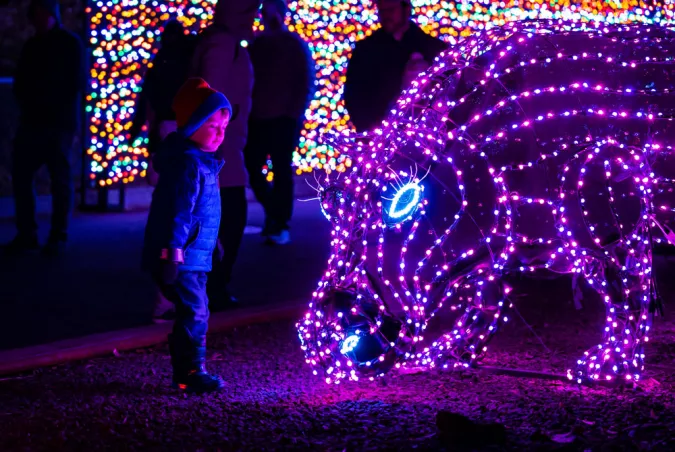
(272, 402)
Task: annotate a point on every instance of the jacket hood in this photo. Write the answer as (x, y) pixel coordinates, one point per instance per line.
(170, 152)
(237, 16)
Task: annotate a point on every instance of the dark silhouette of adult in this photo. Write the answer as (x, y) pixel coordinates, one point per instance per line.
(167, 74)
(284, 76)
(169, 70)
(48, 85)
(385, 63)
(222, 60)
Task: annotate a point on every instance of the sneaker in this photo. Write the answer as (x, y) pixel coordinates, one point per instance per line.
(281, 238)
(54, 248)
(222, 303)
(22, 244)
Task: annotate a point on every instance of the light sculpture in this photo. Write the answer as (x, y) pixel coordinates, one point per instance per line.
(538, 147)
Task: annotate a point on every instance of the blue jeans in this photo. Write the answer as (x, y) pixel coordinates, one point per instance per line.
(188, 293)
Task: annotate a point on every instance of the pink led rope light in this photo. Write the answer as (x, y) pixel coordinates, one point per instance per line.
(364, 319)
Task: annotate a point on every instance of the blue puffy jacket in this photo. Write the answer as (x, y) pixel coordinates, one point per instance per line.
(185, 209)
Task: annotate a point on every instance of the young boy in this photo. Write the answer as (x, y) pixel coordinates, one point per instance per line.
(182, 227)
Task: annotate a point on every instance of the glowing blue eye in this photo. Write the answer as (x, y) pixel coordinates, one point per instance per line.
(349, 344)
(325, 212)
(404, 203)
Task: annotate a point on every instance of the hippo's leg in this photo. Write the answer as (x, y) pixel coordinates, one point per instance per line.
(625, 286)
(482, 299)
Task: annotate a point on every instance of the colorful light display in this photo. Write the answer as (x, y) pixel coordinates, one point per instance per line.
(123, 37)
(538, 147)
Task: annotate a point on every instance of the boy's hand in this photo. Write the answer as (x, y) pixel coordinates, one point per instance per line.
(168, 272)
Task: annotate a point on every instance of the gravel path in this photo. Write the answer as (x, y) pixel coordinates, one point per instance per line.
(272, 402)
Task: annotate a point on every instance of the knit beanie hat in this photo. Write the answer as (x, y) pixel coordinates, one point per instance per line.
(194, 103)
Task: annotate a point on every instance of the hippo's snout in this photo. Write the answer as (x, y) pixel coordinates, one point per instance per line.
(363, 336)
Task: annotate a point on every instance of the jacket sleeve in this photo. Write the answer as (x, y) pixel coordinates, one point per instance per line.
(141, 107)
(76, 72)
(304, 83)
(213, 59)
(359, 80)
(185, 192)
(69, 80)
(146, 96)
(22, 69)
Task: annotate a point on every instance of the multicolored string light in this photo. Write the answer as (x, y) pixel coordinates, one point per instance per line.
(123, 38)
(534, 147)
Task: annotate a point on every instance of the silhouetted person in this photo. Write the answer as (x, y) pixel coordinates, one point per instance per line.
(168, 72)
(48, 85)
(284, 76)
(170, 68)
(385, 63)
(224, 63)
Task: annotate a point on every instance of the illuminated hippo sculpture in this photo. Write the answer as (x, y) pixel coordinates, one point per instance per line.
(534, 148)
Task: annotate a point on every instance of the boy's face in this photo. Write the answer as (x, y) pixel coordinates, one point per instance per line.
(211, 134)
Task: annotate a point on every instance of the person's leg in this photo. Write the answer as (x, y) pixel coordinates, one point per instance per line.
(60, 172)
(26, 160)
(232, 224)
(255, 155)
(287, 131)
(187, 342)
(192, 310)
(164, 310)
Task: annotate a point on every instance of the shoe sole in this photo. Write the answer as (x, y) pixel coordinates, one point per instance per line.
(184, 388)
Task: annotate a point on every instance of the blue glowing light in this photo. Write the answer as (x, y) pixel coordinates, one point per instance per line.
(404, 203)
(325, 206)
(349, 344)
